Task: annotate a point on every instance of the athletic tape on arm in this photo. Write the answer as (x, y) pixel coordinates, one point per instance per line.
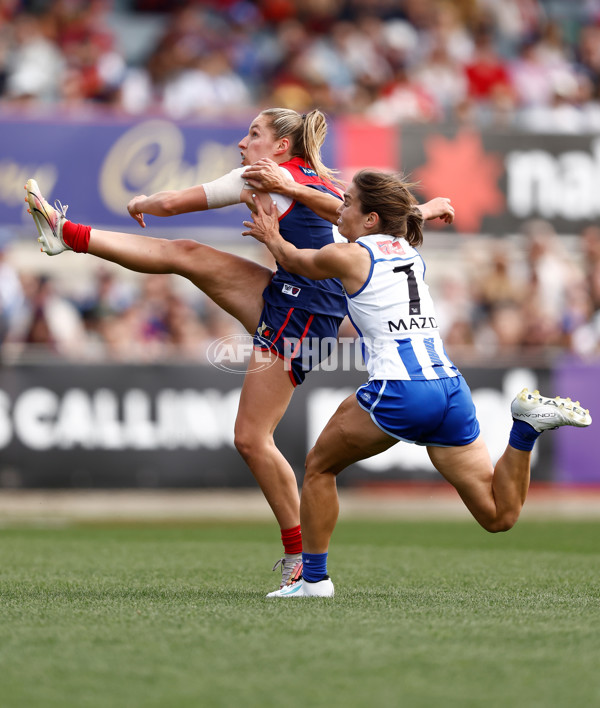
(225, 190)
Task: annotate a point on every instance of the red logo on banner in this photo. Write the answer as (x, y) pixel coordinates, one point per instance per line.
(461, 170)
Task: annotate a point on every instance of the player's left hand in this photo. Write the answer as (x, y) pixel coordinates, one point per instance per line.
(265, 223)
(438, 208)
(265, 174)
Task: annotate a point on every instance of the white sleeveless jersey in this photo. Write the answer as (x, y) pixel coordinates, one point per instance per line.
(394, 315)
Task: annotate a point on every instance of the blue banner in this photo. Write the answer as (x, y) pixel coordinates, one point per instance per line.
(496, 179)
(97, 167)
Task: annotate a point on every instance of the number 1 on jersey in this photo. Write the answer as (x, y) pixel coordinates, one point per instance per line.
(413, 289)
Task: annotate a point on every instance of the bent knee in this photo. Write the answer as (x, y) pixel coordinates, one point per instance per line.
(243, 443)
(315, 468)
(500, 524)
(248, 442)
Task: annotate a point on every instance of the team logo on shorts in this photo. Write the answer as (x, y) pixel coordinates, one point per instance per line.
(292, 290)
(264, 331)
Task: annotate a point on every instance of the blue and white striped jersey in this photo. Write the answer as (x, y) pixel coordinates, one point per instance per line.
(394, 314)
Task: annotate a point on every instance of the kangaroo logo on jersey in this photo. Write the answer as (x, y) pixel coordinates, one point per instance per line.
(391, 248)
(292, 290)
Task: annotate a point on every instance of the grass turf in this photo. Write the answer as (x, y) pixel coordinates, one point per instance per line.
(425, 614)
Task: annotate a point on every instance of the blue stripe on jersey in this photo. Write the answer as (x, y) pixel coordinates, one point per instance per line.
(409, 359)
(433, 355)
(361, 339)
(395, 258)
(364, 285)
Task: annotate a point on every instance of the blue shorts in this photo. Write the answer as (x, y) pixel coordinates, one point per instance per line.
(299, 337)
(439, 412)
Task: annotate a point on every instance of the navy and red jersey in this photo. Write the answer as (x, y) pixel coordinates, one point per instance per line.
(302, 227)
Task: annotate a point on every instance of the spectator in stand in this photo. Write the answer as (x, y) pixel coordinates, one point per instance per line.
(208, 87)
(550, 265)
(531, 77)
(404, 100)
(590, 242)
(497, 284)
(336, 55)
(488, 80)
(47, 321)
(11, 295)
(514, 21)
(443, 79)
(588, 55)
(449, 30)
(34, 64)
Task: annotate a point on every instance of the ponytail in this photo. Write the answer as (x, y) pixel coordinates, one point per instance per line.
(414, 227)
(307, 134)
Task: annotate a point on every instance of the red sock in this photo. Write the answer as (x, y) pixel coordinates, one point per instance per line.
(292, 540)
(77, 236)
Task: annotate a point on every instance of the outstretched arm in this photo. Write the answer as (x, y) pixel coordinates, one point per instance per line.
(168, 203)
(265, 175)
(223, 191)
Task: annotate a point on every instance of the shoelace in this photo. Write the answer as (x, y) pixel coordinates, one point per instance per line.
(60, 208)
(290, 574)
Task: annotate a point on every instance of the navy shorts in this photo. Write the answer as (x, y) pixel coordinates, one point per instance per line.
(438, 412)
(299, 337)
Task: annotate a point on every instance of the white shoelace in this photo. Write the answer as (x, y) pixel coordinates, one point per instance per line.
(60, 208)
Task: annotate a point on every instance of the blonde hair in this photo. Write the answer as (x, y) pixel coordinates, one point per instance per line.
(307, 134)
(389, 196)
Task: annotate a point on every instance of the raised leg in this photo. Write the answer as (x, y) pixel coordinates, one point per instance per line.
(495, 496)
(234, 283)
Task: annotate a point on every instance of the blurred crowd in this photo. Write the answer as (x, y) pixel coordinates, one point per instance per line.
(536, 299)
(113, 318)
(531, 63)
(528, 298)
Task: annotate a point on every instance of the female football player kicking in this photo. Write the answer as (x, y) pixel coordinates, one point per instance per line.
(274, 307)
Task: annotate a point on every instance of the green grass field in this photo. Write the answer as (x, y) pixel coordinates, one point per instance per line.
(425, 614)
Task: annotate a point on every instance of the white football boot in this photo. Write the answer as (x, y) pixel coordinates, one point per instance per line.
(49, 220)
(544, 413)
(324, 588)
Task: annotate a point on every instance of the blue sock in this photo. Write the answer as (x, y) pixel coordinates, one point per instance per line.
(523, 436)
(314, 566)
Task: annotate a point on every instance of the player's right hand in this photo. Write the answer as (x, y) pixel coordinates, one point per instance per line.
(134, 210)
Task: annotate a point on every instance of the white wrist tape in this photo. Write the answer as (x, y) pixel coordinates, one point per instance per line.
(225, 190)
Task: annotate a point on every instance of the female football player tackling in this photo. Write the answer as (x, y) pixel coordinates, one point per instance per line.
(414, 392)
(274, 306)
